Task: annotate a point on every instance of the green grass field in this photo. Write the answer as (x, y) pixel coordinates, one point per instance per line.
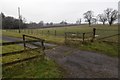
(36, 68)
(102, 48)
(49, 33)
(101, 31)
(61, 30)
(11, 48)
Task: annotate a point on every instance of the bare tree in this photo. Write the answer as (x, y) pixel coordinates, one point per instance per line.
(94, 20)
(111, 15)
(78, 21)
(102, 18)
(88, 16)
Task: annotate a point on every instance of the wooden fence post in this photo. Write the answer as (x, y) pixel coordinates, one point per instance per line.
(43, 48)
(94, 32)
(24, 42)
(55, 32)
(31, 31)
(77, 34)
(42, 32)
(83, 37)
(37, 31)
(48, 32)
(65, 37)
(28, 31)
(42, 43)
(24, 31)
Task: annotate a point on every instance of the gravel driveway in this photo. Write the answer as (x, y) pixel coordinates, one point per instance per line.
(83, 64)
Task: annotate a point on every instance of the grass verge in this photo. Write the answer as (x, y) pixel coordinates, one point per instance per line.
(36, 68)
(11, 48)
(110, 49)
(50, 39)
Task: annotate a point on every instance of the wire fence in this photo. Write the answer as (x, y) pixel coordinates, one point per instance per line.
(78, 37)
(39, 31)
(107, 35)
(100, 34)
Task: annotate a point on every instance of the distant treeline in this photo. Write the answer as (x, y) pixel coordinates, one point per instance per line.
(9, 22)
(108, 16)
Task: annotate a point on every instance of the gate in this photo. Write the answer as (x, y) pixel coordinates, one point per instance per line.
(28, 52)
(80, 37)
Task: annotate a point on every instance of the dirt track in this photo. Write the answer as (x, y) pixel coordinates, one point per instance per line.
(83, 64)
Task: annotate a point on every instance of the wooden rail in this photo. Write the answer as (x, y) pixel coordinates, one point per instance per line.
(82, 37)
(17, 42)
(38, 40)
(18, 61)
(17, 52)
(75, 36)
(40, 47)
(108, 36)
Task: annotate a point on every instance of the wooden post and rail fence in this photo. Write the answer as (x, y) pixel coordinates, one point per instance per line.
(40, 48)
(82, 38)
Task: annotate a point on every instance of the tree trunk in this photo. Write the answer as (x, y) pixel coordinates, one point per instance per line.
(103, 23)
(89, 23)
(110, 23)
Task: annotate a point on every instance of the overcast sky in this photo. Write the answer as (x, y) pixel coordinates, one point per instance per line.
(54, 10)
